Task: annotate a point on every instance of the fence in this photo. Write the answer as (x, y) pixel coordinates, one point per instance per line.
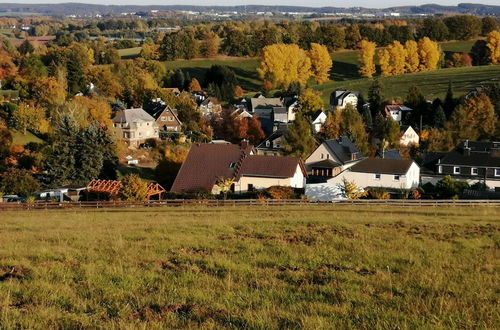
(241, 202)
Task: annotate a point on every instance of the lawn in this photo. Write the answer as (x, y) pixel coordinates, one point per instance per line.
(22, 139)
(128, 53)
(250, 267)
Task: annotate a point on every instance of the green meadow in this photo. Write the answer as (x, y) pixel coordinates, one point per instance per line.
(323, 266)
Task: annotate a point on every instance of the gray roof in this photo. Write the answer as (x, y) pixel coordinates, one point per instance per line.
(137, 115)
(265, 102)
(382, 166)
(343, 148)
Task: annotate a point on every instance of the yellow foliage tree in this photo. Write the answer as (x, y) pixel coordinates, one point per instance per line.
(284, 64)
(397, 54)
(194, 85)
(321, 62)
(384, 59)
(366, 55)
(429, 54)
(48, 92)
(412, 58)
(310, 101)
(30, 117)
(493, 44)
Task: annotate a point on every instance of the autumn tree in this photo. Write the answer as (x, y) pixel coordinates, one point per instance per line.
(194, 85)
(283, 64)
(331, 127)
(493, 44)
(105, 82)
(429, 54)
(391, 133)
(299, 141)
(321, 62)
(169, 164)
(384, 59)
(7, 66)
(238, 92)
(309, 102)
(366, 57)
(150, 51)
(210, 44)
(134, 188)
(397, 54)
(19, 182)
(30, 117)
(352, 36)
(48, 92)
(412, 60)
(255, 134)
(353, 126)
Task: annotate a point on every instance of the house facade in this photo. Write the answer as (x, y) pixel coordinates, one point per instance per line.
(342, 97)
(397, 112)
(210, 107)
(318, 120)
(332, 157)
(206, 164)
(470, 161)
(273, 144)
(166, 117)
(408, 136)
(135, 126)
(381, 172)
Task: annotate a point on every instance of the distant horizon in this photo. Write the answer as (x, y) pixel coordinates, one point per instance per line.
(299, 3)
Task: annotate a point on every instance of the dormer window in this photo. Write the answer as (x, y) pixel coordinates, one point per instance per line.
(232, 165)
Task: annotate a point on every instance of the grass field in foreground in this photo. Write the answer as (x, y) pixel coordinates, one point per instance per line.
(254, 267)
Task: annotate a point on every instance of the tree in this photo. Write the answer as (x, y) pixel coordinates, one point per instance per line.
(397, 54)
(5, 142)
(449, 188)
(375, 97)
(474, 119)
(194, 85)
(30, 117)
(384, 59)
(26, 48)
(366, 55)
(48, 92)
(480, 53)
(221, 82)
(179, 45)
(7, 66)
(236, 43)
(255, 134)
(19, 182)
(224, 185)
(331, 127)
(238, 92)
(105, 82)
(150, 51)
(321, 63)
(463, 27)
(309, 102)
(299, 141)
(488, 24)
(352, 125)
(439, 117)
(351, 191)
(367, 118)
(331, 36)
(391, 133)
(433, 28)
(412, 58)
(352, 36)
(210, 44)
(284, 64)
(493, 44)
(134, 188)
(449, 102)
(429, 54)
(169, 165)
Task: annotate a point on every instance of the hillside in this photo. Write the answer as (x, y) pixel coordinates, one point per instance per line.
(255, 267)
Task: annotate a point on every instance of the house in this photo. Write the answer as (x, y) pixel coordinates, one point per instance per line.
(397, 112)
(332, 157)
(389, 154)
(210, 106)
(381, 172)
(65, 193)
(206, 164)
(166, 117)
(135, 126)
(291, 104)
(317, 120)
(273, 144)
(341, 98)
(470, 161)
(264, 105)
(408, 136)
(280, 114)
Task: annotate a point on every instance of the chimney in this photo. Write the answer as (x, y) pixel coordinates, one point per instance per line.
(244, 144)
(466, 148)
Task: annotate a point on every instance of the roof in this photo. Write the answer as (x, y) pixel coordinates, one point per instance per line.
(265, 102)
(270, 166)
(137, 115)
(482, 154)
(343, 148)
(389, 154)
(273, 136)
(316, 115)
(340, 94)
(210, 100)
(397, 107)
(382, 166)
(325, 163)
(206, 163)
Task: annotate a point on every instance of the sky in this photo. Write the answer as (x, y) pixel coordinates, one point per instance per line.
(308, 3)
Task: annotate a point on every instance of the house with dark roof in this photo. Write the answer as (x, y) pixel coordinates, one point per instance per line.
(340, 98)
(210, 106)
(390, 154)
(264, 105)
(135, 126)
(165, 117)
(206, 164)
(332, 157)
(317, 120)
(470, 161)
(273, 144)
(397, 112)
(381, 172)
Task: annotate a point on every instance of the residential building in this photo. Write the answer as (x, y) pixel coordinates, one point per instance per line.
(264, 105)
(342, 97)
(408, 136)
(135, 126)
(273, 144)
(332, 157)
(397, 112)
(389, 154)
(470, 161)
(317, 120)
(381, 172)
(206, 164)
(210, 107)
(166, 117)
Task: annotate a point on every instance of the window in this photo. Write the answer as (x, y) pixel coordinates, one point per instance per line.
(268, 143)
(497, 171)
(163, 118)
(327, 156)
(377, 176)
(473, 171)
(250, 187)
(440, 169)
(322, 156)
(396, 178)
(456, 170)
(232, 165)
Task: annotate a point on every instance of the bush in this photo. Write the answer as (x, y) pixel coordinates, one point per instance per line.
(449, 188)
(378, 193)
(280, 192)
(19, 182)
(134, 188)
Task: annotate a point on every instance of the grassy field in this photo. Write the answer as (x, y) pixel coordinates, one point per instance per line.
(260, 267)
(128, 53)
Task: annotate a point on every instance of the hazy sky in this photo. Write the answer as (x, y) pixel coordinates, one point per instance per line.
(310, 3)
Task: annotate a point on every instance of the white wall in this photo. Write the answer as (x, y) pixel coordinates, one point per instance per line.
(297, 181)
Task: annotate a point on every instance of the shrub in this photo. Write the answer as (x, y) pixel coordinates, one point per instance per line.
(134, 188)
(448, 187)
(280, 192)
(378, 193)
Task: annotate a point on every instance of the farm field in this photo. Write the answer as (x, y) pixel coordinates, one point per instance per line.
(255, 267)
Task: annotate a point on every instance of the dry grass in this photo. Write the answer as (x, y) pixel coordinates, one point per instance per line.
(253, 267)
